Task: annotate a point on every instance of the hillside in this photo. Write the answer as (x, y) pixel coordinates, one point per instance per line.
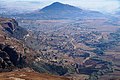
(85, 48)
(25, 74)
(15, 55)
(59, 11)
(64, 11)
(12, 50)
(57, 6)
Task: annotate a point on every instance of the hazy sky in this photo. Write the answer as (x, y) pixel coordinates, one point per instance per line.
(109, 6)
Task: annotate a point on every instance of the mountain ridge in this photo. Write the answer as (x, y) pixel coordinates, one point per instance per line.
(59, 11)
(59, 6)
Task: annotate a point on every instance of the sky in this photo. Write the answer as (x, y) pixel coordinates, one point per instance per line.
(106, 6)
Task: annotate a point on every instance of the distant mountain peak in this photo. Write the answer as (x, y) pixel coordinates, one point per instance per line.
(59, 6)
(57, 3)
(59, 10)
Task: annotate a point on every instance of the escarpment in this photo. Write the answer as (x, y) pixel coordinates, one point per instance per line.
(12, 50)
(11, 27)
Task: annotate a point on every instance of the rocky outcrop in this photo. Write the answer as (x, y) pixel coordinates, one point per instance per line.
(8, 24)
(12, 50)
(9, 58)
(11, 27)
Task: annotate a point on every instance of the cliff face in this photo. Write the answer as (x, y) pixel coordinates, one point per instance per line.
(11, 27)
(12, 51)
(9, 58)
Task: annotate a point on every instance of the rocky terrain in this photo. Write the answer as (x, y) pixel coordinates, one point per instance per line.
(85, 49)
(54, 43)
(15, 56)
(11, 49)
(27, 74)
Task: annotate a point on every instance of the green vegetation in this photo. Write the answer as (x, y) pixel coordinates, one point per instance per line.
(50, 68)
(107, 68)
